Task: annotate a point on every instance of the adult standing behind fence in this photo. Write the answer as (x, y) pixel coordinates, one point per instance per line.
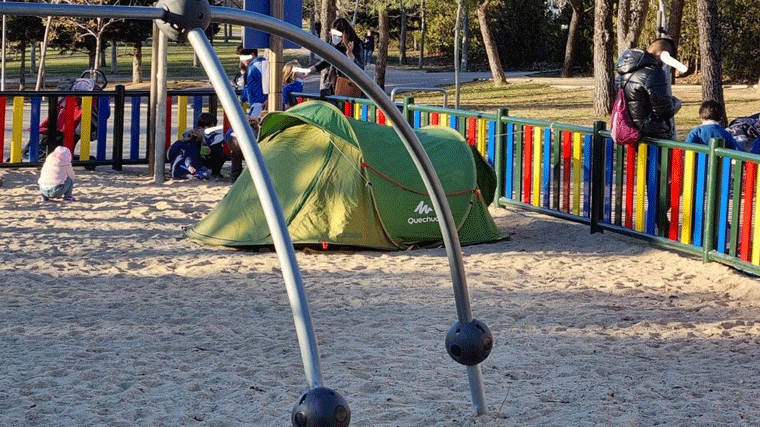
(646, 88)
(344, 38)
(253, 91)
(368, 46)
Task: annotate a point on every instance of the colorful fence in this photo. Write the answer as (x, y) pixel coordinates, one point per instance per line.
(704, 200)
(101, 128)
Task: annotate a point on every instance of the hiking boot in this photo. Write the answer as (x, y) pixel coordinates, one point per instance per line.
(69, 199)
(44, 198)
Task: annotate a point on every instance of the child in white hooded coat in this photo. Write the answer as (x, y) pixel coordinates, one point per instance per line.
(57, 175)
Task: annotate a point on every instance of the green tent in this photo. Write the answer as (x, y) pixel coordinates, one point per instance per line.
(346, 182)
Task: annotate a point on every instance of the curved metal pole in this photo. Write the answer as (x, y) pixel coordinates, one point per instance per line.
(412, 144)
(269, 203)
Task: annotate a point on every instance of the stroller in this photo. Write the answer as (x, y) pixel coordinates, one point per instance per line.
(90, 81)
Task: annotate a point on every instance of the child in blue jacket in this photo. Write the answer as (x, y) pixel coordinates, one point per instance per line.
(711, 112)
(185, 157)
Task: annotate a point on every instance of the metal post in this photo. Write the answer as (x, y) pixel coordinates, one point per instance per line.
(271, 206)
(2, 66)
(160, 150)
(710, 198)
(118, 128)
(499, 150)
(597, 178)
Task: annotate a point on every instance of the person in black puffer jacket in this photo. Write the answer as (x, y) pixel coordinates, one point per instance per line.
(646, 88)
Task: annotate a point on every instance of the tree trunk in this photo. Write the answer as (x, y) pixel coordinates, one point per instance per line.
(137, 63)
(402, 36)
(457, 51)
(630, 22)
(382, 47)
(674, 21)
(114, 57)
(494, 60)
(423, 30)
(327, 15)
(22, 69)
(98, 52)
(465, 37)
(572, 33)
(356, 13)
(603, 66)
(709, 51)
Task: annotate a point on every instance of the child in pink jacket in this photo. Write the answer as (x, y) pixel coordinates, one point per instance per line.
(57, 175)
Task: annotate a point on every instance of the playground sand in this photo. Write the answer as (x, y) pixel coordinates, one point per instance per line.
(109, 316)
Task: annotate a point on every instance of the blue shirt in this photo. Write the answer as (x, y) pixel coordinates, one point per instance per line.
(253, 92)
(712, 129)
(292, 87)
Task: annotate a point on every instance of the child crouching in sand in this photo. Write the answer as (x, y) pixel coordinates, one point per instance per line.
(57, 176)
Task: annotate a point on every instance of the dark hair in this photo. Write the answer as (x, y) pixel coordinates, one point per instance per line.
(662, 44)
(711, 110)
(206, 120)
(342, 25)
(243, 51)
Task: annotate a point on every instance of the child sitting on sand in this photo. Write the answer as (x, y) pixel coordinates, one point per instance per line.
(185, 157)
(213, 150)
(57, 175)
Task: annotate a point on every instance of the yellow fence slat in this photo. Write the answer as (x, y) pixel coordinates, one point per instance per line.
(641, 179)
(84, 144)
(688, 196)
(18, 122)
(536, 166)
(181, 116)
(577, 168)
(482, 130)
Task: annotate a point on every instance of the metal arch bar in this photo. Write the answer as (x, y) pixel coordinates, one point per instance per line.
(411, 142)
(82, 11)
(269, 203)
(401, 89)
(341, 62)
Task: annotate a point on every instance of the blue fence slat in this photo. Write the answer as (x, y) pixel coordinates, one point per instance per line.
(491, 143)
(653, 189)
(103, 108)
(586, 175)
(547, 181)
(197, 109)
(609, 167)
(134, 130)
(365, 110)
(699, 198)
(417, 119)
(509, 161)
(34, 128)
(725, 182)
(453, 122)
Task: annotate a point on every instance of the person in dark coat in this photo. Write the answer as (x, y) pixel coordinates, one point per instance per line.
(647, 89)
(345, 39)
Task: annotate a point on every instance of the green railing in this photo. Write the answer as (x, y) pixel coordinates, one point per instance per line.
(699, 199)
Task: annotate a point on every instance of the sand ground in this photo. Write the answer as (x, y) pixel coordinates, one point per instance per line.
(109, 316)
